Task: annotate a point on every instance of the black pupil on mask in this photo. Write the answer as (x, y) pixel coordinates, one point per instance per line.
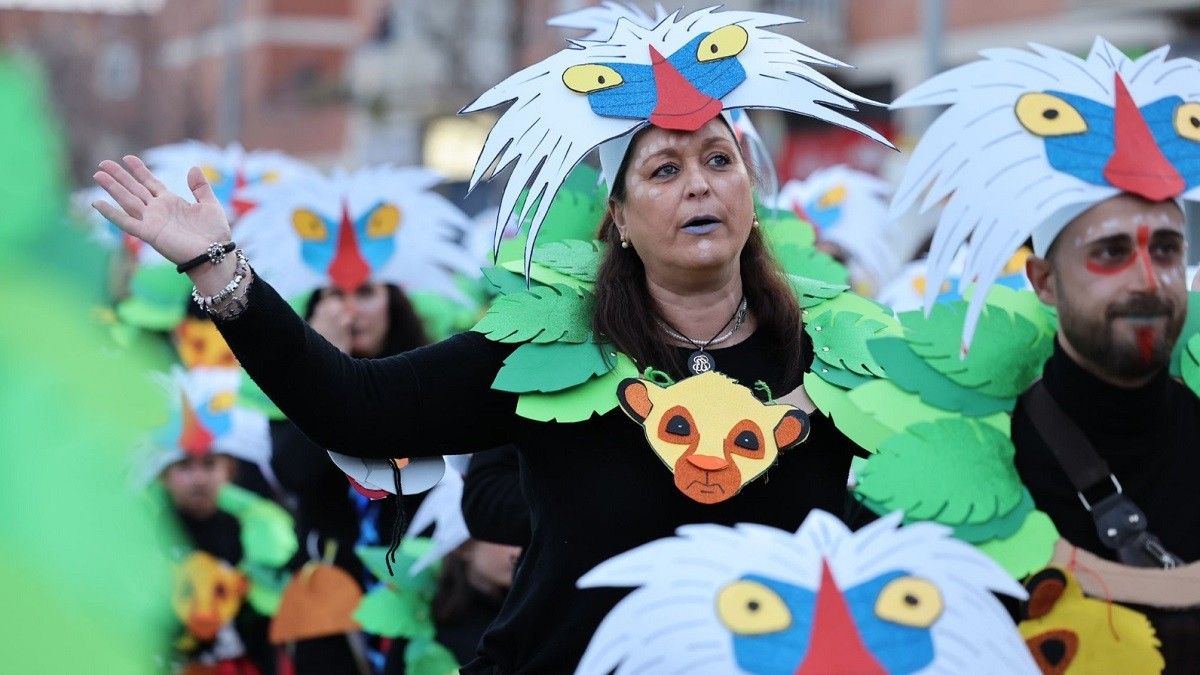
(911, 600)
(746, 440)
(679, 426)
(1050, 114)
(752, 605)
(1195, 122)
(712, 48)
(600, 79)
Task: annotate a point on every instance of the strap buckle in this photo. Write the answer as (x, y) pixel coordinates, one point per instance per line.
(1116, 484)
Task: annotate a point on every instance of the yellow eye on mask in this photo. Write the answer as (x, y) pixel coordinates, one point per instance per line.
(909, 601)
(750, 608)
(1187, 121)
(1048, 115)
(591, 77)
(722, 43)
(309, 225)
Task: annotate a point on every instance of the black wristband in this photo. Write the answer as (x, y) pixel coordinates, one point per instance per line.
(215, 254)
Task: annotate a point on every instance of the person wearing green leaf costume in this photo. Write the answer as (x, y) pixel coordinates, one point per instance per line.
(1091, 157)
(548, 367)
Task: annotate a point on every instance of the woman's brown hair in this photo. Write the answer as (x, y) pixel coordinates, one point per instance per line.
(625, 313)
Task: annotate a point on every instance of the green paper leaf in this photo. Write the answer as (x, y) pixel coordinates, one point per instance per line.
(574, 258)
(954, 471)
(1006, 356)
(851, 302)
(1026, 551)
(811, 263)
(267, 531)
(847, 417)
(897, 409)
(839, 377)
(393, 614)
(411, 549)
(547, 277)
(811, 292)
(266, 587)
(1191, 327)
(427, 657)
(914, 375)
(577, 404)
(840, 339)
(552, 367)
(998, 528)
(158, 297)
(540, 315)
(1190, 364)
(501, 281)
(782, 228)
(1023, 303)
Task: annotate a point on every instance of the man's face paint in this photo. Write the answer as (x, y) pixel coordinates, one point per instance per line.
(1121, 284)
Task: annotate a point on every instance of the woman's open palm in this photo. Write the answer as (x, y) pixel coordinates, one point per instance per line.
(175, 227)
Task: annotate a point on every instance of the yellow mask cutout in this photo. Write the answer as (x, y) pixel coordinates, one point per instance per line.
(208, 594)
(711, 432)
(200, 344)
(1070, 633)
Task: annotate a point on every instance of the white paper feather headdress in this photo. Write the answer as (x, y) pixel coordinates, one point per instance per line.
(380, 224)
(1034, 138)
(848, 207)
(677, 75)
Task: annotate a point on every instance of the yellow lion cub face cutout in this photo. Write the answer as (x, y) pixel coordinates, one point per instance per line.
(711, 432)
(1070, 633)
(208, 594)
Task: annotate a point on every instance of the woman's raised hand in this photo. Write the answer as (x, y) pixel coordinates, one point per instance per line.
(175, 227)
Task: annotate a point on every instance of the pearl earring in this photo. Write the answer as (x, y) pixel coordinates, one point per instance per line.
(755, 221)
(624, 243)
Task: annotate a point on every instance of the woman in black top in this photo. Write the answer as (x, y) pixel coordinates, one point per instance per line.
(594, 488)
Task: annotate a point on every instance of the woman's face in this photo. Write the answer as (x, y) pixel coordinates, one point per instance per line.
(367, 308)
(687, 205)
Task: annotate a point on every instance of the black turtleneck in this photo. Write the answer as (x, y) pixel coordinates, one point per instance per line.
(1150, 437)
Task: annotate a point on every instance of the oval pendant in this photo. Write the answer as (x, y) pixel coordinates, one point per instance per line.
(701, 362)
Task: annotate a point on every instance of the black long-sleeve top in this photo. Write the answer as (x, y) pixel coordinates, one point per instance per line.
(594, 488)
(492, 503)
(1150, 438)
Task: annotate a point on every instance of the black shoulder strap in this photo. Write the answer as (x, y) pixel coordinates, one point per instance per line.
(1121, 525)
(1083, 465)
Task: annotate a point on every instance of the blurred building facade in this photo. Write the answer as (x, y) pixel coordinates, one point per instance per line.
(358, 81)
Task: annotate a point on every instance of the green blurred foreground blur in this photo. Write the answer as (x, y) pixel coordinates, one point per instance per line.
(81, 566)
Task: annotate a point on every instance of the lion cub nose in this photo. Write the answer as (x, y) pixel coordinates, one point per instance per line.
(707, 462)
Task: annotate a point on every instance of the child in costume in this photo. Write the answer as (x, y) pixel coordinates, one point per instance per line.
(236, 542)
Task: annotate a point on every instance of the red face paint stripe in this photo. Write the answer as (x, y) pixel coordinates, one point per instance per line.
(1145, 340)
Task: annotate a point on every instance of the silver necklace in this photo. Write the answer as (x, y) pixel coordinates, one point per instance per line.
(701, 361)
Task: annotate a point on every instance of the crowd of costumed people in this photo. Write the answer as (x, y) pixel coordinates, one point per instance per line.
(654, 411)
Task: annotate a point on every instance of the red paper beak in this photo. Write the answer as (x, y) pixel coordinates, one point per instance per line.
(240, 206)
(680, 107)
(1137, 164)
(835, 645)
(195, 440)
(348, 270)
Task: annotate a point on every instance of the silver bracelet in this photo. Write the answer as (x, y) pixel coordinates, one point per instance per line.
(209, 302)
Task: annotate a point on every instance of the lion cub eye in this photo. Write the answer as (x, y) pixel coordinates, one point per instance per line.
(747, 440)
(678, 425)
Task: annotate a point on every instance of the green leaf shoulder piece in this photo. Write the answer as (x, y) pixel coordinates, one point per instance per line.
(1191, 328)
(1190, 364)
(579, 403)
(553, 367)
(542, 315)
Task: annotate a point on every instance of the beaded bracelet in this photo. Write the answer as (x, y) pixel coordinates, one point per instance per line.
(207, 303)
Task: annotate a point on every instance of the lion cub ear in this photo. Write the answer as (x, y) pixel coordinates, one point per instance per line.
(793, 429)
(634, 398)
(1045, 588)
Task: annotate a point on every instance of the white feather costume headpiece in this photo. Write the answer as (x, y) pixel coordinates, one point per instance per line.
(749, 599)
(1034, 138)
(381, 224)
(678, 75)
(847, 207)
